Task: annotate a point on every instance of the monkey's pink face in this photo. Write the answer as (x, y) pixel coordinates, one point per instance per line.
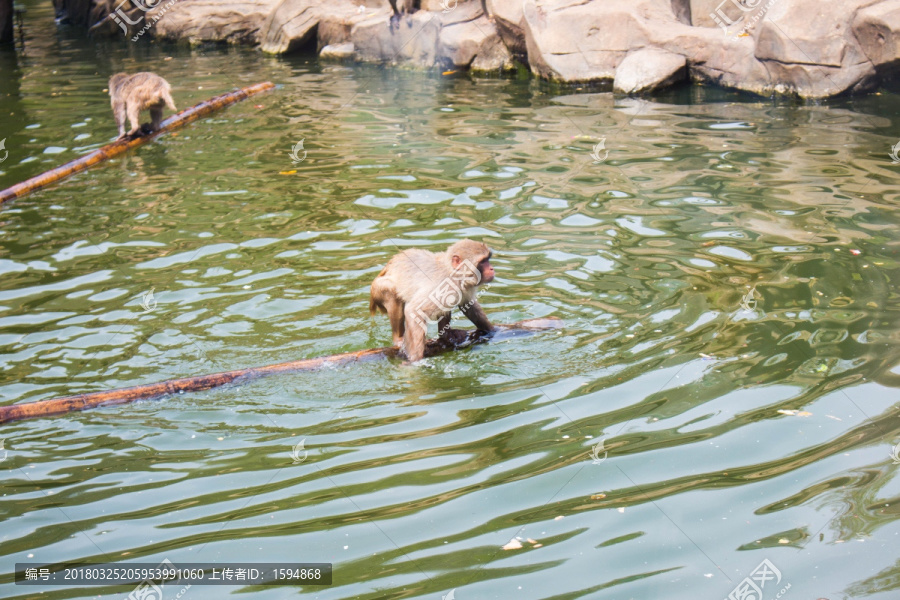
(487, 271)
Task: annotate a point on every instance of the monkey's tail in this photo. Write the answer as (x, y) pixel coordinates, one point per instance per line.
(375, 305)
(167, 97)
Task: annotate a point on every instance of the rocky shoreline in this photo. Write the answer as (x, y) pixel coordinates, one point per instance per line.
(806, 48)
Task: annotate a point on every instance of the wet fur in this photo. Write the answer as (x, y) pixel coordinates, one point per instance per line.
(131, 94)
(406, 282)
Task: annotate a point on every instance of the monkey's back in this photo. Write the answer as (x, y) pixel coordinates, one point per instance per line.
(146, 89)
(412, 268)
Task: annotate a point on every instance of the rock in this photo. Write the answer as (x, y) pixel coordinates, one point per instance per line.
(648, 69)
(345, 51)
(336, 23)
(682, 11)
(810, 48)
(509, 20)
(877, 29)
(493, 56)
(414, 41)
(712, 13)
(448, 6)
(292, 25)
(711, 58)
(473, 43)
(814, 58)
(236, 21)
(572, 40)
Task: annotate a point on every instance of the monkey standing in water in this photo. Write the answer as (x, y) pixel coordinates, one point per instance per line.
(130, 94)
(418, 286)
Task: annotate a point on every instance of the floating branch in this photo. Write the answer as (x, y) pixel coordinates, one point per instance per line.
(118, 147)
(66, 404)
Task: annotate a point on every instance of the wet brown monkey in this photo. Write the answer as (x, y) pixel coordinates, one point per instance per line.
(418, 286)
(130, 94)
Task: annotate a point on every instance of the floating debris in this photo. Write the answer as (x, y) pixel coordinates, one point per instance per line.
(513, 544)
(796, 413)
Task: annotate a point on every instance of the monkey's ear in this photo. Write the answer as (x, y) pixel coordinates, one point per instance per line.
(455, 260)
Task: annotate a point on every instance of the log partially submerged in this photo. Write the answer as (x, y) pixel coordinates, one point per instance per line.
(66, 404)
(119, 146)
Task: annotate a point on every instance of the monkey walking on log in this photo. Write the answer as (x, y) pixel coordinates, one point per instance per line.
(418, 286)
(131, 94)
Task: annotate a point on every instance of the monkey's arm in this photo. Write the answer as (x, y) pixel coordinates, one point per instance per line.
(454, 336)
(475, 314)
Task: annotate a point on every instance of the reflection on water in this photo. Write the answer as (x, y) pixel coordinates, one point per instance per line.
(727, 275)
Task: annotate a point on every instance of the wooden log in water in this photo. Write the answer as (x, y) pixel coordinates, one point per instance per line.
(66, 404)
(119, 146)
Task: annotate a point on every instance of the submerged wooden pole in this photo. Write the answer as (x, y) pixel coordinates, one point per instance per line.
(119, 146)
(66, 404)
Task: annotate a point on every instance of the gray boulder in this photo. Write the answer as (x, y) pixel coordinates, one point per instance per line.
(648, 69)
(508, 17)
(809, 48)
(236, 22)
(877, 29)
(340, 52)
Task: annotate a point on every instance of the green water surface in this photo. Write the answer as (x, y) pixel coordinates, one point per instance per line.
(727, 275)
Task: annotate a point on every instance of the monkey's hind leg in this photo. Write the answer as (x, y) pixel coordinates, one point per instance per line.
(134, 116)
(398, 321)
(156, 112)
(384, 298)
(120, 116)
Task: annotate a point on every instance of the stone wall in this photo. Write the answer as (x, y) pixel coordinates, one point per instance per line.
(807, 48)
